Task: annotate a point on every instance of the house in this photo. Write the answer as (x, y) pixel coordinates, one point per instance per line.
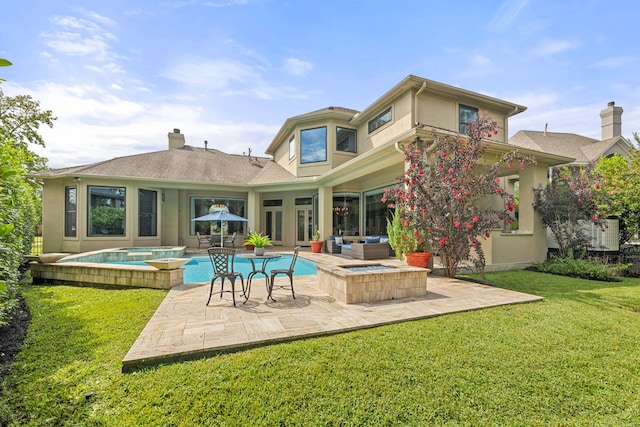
(583, 149)
(326, 170)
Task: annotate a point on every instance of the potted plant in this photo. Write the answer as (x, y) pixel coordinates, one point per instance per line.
(407, 241)
(258, 241)
(316, 243)
(417, 251)
(395, 231)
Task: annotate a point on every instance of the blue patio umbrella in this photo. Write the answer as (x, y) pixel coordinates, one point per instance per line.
(221, 216)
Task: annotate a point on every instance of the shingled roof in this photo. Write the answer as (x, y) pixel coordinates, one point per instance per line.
(184, 164)
(581, 148)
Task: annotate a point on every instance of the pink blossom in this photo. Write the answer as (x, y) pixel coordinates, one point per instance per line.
(443, 242)
(456, 224)
(469, 226)
(476, 219)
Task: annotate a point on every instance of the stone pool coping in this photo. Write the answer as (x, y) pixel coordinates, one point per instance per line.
(88, 268)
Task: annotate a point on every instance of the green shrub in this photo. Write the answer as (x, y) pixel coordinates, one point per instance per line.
(591, 269)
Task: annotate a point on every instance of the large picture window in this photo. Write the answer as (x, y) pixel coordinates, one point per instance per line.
(345, 139)
(346, 214)
(106, 211)
(313, 145)
(147, 213)
(466, 114)
(199, 206)
(380, 120)
(70, 211)
(375, 213)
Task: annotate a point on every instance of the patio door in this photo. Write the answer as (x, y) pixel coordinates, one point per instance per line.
(304, 226)
(273, 225)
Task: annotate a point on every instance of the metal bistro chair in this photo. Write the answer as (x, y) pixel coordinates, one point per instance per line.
(202, 239)
(222, 261)
(231, 239)
(288, 272)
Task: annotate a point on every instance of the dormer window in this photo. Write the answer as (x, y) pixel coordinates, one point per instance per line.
(465, 115)
(380, 120)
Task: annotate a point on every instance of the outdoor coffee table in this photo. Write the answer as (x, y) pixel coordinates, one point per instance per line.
(262, 270)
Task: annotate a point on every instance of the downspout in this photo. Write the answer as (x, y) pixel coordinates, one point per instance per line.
(506, 123)
(398, 145)
(423, 87)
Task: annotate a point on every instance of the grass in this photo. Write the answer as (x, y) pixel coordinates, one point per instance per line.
(573, 359)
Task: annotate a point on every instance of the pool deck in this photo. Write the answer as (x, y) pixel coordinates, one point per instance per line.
(184, 328)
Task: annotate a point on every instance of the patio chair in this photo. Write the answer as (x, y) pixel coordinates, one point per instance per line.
(202, 239)
(230, 239)
(288, 272)
(222, 261)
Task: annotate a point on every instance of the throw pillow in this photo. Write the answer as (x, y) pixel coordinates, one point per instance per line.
(339, 240)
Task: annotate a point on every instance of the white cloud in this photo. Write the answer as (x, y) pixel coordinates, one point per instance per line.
(96, 124)
(228, 77)
(480, 60)
(297, 67)
(84, 37)
(615, 62)
(553, 47)
(507, 13)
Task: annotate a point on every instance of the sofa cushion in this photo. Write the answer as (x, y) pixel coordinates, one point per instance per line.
(372, 239)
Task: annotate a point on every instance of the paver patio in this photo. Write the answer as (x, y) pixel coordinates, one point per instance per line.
(183, 327)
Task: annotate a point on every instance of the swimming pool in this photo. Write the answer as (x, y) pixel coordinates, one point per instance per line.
(199, 269)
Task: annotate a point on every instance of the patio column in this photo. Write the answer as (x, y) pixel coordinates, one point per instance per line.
(253, 211)
(325, 209)
(530, 178)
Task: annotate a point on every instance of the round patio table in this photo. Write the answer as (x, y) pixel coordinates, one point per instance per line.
(265, 258)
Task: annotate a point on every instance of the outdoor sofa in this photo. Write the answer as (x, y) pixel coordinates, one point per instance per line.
(372, 247)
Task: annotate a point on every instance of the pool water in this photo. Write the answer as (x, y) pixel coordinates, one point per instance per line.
(199, 269)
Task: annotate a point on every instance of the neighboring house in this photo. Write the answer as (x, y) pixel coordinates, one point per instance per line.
(584, 150)
(327, 170)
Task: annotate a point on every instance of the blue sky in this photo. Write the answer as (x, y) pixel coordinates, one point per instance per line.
(120, 75)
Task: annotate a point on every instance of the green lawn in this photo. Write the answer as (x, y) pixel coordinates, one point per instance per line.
(573, 359)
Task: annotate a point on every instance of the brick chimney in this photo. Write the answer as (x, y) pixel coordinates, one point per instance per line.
(611, 121)
(176, 139)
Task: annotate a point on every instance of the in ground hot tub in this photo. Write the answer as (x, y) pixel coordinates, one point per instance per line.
(355, 283)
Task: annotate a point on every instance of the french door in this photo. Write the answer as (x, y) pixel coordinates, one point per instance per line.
(304, 226)
(273, 225)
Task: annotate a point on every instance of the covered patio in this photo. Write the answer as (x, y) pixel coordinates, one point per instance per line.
(184, 328)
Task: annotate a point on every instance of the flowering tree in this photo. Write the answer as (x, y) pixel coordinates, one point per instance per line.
(572, 196)
(444, 188)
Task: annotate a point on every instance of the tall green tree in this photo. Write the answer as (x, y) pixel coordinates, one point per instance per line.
(620, 179)
(20, 120)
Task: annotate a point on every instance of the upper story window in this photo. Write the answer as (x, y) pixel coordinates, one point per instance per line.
(380, 120)
(292, 146)
(345, 139)
(313, 145)
(466, 114)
